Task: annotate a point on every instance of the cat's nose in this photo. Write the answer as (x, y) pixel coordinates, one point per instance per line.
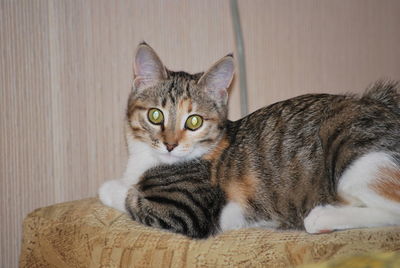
(169, 146)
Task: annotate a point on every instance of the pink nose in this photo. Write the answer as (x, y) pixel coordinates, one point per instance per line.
(170, 147)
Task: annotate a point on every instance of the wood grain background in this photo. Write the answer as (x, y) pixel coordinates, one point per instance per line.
(66, 71)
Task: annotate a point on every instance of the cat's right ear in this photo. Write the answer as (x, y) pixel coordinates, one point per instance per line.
(148, 68)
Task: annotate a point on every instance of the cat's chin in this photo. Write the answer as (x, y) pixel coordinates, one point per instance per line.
(181, 156)
(169, 158)
(175, 157)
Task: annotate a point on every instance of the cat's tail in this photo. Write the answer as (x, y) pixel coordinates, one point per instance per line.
(385, 92)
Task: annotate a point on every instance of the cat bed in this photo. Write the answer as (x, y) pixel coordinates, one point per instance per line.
(85, 233)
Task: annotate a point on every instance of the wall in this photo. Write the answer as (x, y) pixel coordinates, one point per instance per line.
(65, 74)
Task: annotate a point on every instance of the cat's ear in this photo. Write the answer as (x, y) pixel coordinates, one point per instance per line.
(148, 68)
(218, 78)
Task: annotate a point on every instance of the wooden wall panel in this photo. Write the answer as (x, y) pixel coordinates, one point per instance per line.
(26, 153)
(66, 67)
(296, 47)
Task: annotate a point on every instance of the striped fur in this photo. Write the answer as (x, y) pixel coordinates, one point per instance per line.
(178, 198)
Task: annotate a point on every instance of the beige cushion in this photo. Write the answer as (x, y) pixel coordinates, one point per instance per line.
(85, 233)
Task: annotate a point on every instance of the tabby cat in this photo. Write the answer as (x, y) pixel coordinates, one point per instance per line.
(317, 162)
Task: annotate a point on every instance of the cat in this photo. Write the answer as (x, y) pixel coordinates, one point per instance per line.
(317, 162)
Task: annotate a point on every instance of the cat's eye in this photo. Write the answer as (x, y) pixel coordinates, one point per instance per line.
(194, 122)
(155, 116)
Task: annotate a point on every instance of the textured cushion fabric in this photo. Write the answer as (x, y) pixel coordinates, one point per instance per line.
(85, 233)
(375, 260)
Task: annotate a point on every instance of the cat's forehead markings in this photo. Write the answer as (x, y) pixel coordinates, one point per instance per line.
(185, 104)
(187, 91)
(181, 104)
(171, 115)
(164, 102)
(172, 97)
(190, 107)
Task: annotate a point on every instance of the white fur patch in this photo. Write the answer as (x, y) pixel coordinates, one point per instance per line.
(113, 194)
(141, 158)
(354, 185)
(232, 217)
(366, 208)
(329, 218)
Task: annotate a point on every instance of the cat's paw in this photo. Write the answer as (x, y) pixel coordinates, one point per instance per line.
(320, 220)
(113, 194)
(232, 217)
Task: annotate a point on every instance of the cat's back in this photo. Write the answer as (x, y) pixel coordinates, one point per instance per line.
(322, 114)
(283, 127)
(288, 156)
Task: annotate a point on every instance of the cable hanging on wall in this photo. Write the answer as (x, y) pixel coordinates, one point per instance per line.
(237, 30)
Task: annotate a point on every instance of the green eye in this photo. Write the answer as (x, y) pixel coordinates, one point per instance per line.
(155, 116)
(194, 122)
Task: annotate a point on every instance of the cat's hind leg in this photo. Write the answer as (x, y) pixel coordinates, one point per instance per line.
(370, 188)
(233, 218)
(323, 219)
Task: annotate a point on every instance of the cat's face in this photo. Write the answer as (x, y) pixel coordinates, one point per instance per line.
(178, 115)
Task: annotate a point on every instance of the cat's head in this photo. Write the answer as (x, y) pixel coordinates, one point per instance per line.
(180, 116)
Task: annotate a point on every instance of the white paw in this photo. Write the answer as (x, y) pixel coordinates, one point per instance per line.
(113, 194)
(104, 194)
(321, 219)
(232, 217)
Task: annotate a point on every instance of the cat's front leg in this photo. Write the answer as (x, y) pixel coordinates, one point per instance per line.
(113, 194)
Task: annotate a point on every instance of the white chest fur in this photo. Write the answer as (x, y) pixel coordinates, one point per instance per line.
(141, 157)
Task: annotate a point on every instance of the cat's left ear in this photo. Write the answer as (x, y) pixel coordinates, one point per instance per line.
(218, 78)
(148, 68)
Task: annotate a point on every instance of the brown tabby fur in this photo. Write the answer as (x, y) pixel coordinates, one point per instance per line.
(279, 162)
(301, 147)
